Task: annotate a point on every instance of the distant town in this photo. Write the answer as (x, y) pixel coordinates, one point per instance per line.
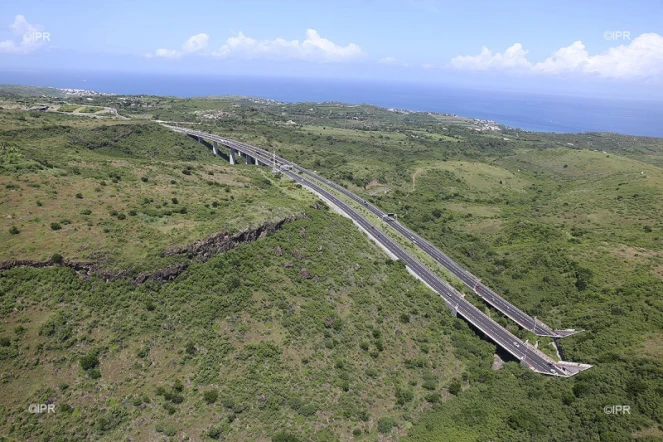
(83, 93)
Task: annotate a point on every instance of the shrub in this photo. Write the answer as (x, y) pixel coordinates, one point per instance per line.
(308, 410)
(90, 361)
(133, 213)
(176, 398)
(285, 437)
(86, 212)
(79, 196)
(356, 432)
(55, 226)
(429, 385)
(211, 396)
(170, 408)
(178, 386)
(385, 424)
(13, 230)
(455, 388)
(95, 373)
(5, 342)
(228, 402)
(186, 172)
(404, 396)
(121, 216)
(144, 179)
(174, 200)
(190, 348)
(57, 258)
(215, 432)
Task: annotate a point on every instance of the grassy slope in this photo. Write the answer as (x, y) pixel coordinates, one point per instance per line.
(570, 234)
(327, 355)
(579, 246)
(108, 184)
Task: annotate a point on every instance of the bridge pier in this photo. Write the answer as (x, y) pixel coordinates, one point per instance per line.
(231, 156)
(215, 148)
(200, 139)
(250, 159)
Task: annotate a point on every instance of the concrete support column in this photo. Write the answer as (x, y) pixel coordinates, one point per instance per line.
(231, 156)
(215, 148)
(250, 159)
(200, 140)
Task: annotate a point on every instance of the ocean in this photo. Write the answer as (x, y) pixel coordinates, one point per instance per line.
(529, 111)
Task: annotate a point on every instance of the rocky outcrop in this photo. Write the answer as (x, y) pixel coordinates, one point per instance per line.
(204, 249)
(167, 274)
(200, 251)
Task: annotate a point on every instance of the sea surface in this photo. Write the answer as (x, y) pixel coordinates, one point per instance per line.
(529, 111)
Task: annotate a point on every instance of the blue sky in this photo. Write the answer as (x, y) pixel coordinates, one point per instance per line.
(595, 47)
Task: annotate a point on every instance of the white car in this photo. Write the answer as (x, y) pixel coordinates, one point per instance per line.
(516, 344)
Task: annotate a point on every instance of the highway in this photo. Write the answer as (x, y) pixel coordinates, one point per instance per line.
(527, 354)
(474, 283)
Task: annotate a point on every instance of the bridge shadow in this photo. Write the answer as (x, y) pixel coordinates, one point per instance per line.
(222, 149)
(501, 352)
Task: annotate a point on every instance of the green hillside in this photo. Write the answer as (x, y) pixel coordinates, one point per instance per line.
(309, 333)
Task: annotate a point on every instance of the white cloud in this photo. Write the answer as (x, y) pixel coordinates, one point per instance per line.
(641, 57)
(194, 44)
(313, 48)
(513, 58)
(393, 61)
(31, 36)
(565, 59)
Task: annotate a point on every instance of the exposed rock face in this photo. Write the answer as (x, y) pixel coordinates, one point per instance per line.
(204, 249)
(305, 273)
(201, 251)
(497, 363)
(167, 274)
